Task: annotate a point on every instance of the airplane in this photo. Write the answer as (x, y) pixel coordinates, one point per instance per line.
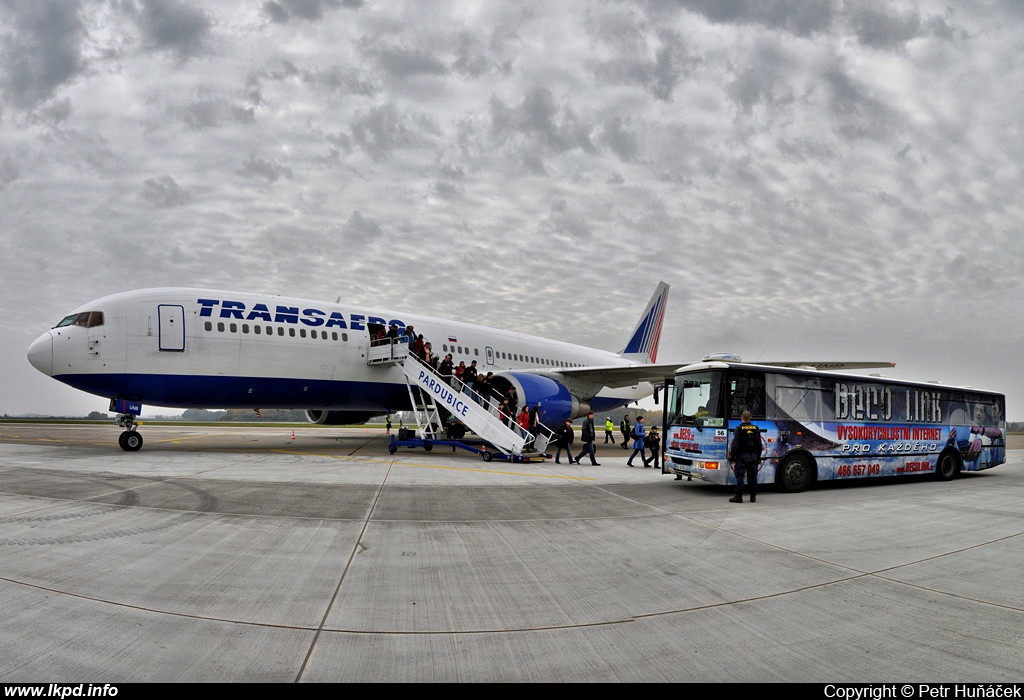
(202, 348)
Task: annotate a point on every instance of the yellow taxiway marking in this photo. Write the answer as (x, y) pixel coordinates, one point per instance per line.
(176, 440)
(438, 466)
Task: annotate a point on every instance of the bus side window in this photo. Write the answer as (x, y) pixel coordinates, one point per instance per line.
(747, 394)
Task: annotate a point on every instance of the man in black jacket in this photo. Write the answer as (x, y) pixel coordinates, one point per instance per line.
(563, 439)
(744, 455)
(588, 435)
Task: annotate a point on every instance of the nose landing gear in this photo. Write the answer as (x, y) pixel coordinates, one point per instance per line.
(130, 440)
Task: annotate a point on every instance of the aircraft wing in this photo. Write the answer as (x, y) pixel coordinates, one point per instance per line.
(616, 376)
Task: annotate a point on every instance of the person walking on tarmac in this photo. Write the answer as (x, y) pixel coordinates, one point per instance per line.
(564, 437)
(588, 435)
(653, 443)
(638, 442)
(744, 455)
(609, 430)
(624, 428)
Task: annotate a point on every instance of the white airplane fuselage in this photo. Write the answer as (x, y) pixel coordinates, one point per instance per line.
(201, 348)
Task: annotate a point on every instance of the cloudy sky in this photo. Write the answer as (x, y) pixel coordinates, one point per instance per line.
(816, 179)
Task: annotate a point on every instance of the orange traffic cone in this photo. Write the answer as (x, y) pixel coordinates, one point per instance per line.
(293, 435)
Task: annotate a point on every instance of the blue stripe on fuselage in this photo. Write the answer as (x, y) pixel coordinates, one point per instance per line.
(196, 391)
(219, 392)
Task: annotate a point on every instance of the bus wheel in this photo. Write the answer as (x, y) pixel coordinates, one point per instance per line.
(795, 474)
(948, 466)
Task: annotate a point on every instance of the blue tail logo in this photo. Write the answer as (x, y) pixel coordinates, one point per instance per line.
(643, 344)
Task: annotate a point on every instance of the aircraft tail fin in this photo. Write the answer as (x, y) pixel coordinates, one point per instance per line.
(643, 343)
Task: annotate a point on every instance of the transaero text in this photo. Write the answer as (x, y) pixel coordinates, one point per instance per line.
(923, 690)
(291, 314)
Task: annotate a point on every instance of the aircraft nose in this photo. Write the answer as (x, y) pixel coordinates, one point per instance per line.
(40, 354)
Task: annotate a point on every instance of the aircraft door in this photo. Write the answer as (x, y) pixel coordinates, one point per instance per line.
(171, 319)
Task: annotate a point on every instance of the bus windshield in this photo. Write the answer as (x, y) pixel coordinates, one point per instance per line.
(697, 400)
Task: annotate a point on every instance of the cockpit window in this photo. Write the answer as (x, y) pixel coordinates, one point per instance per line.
(86, 319)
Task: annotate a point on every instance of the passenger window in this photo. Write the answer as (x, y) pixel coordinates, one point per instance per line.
(257, 329)
(291, 332)
(334, 335)
(302, 332)
(234, 327)
(209, 326)
(280, 330)
(746, 393)
(220, 326)
(245, 327)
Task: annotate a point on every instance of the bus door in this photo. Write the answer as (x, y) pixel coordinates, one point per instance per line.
(745, 391)
(697, 432)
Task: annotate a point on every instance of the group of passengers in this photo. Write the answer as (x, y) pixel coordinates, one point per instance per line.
(465, 378)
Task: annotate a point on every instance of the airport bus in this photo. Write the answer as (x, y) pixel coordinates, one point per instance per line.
(820, 426)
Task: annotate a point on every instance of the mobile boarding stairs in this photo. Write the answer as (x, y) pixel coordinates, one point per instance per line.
(430, 394)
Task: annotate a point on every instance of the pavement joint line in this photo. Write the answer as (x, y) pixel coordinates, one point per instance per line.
(177, 440)
(322, 627)
(502, 630)
(365, 443)
(330, 630)
(824, 584)
(92, 499)
(438, 466)
(344, 573)
(878, 573)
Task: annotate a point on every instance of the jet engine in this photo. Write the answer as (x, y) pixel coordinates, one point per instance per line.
(322, 417)
(557, 403)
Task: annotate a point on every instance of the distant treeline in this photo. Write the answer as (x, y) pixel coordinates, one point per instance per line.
(245, 415)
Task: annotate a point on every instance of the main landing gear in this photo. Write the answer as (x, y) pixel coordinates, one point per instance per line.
(130, 440)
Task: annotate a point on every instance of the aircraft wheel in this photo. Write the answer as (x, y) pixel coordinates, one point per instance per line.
(948, 466)
(132, 441)
(120, 439)
(427, 447)
(795, 474)
(486, 456)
